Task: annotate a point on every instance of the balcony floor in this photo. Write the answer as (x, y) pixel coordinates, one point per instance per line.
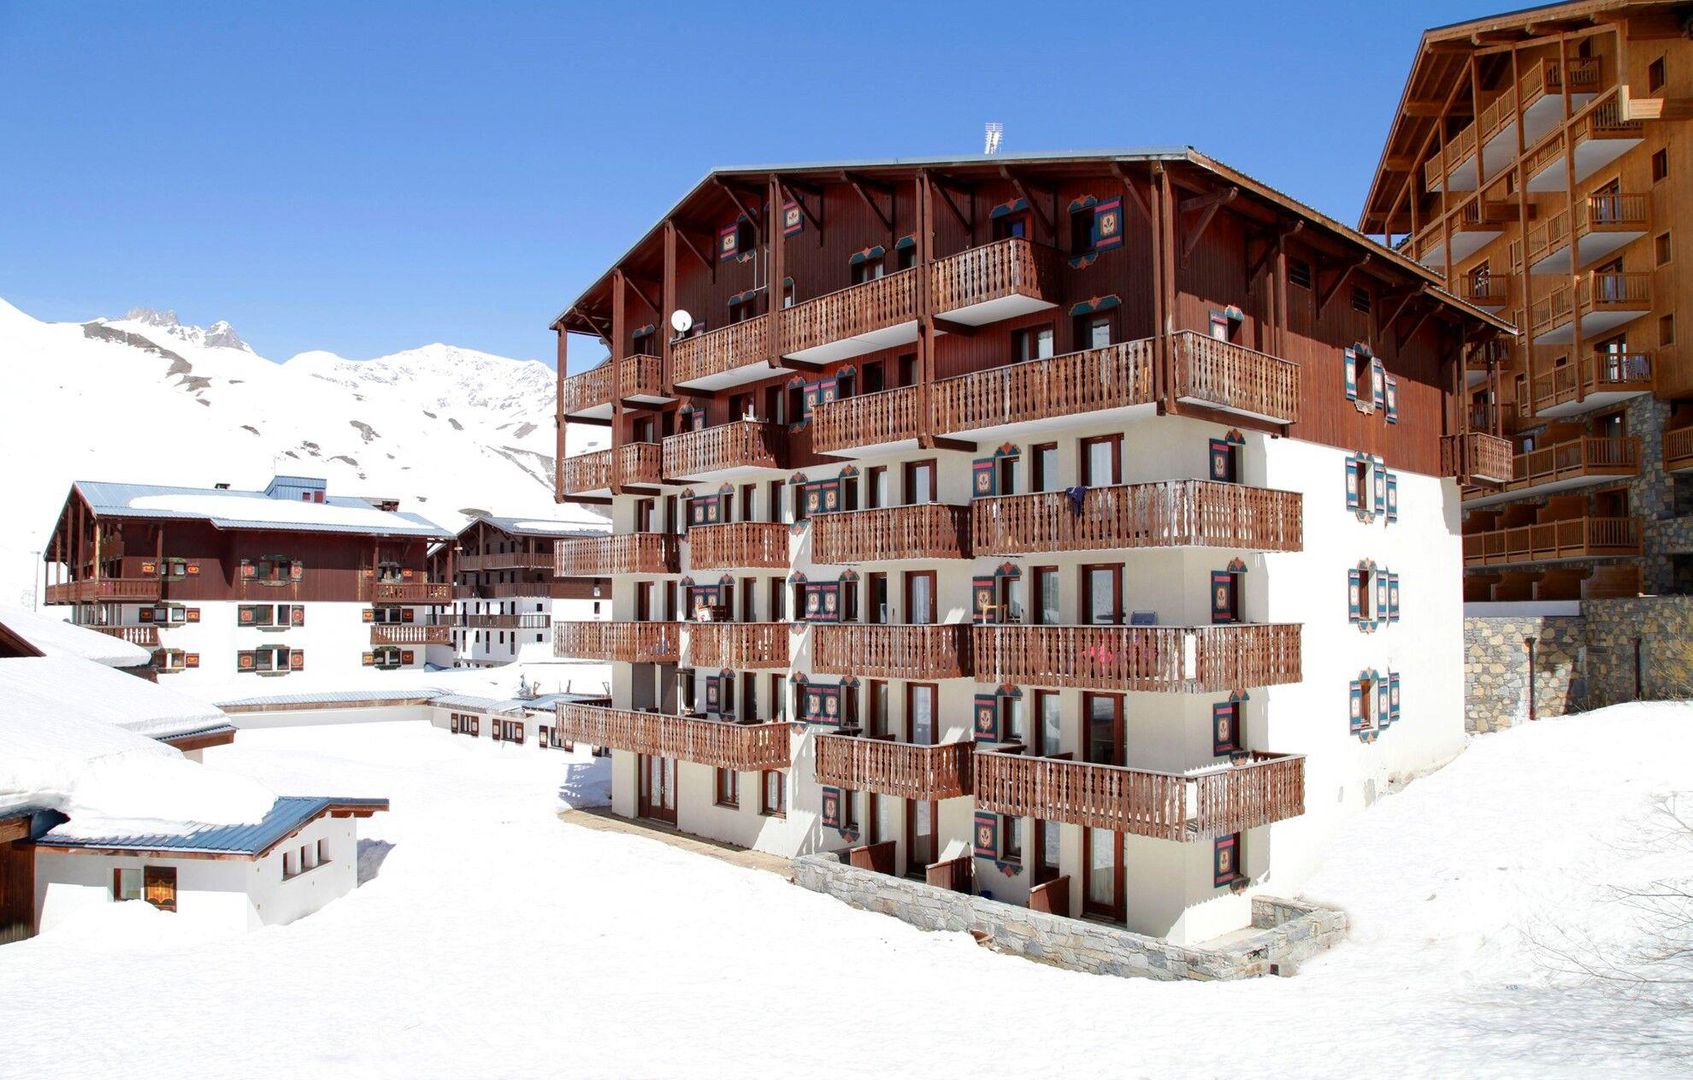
(1550, 487)
(1465, 242)
(1023, 428)
(1594, 325)
(1591, 155)
(757, 371)
(1595, 399)
(873, 341)
(991, 311)
(1592, 247)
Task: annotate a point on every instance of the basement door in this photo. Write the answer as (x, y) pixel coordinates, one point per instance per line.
(658, 788)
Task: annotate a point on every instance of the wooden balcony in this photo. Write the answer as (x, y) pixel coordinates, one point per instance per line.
(866, 424)
(619, 642)
(146, 636)
(737, 646)
(1678, 449)
(891, 650)
(1094, 381)
(1478, 222)
(92, 590)
(635, 379)
(1536, 100)
(1606, 224)
(1575, 463)
(1602, 301)
(860, 319)
(738, 448)
(405, 592)
(1170, 513)
(728, 356)
(737, 545)
(889, 533)
(1601, 379)
(1475, 457)
(1550, 541)
(1226, 376)
(586, 474)
(529, 620)
(596, 473)
(1492, 293)
(1171, 659)
(996, 281)
(507, 560)
(1184, 807)
(624, 553)
(897, 769)
(717, 743)
(411, 634)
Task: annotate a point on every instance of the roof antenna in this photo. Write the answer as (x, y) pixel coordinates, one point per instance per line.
(990, 140)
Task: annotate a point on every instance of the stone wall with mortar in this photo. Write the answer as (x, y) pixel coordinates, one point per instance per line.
(1283, 933)
(1659, 628)
(1496, 669)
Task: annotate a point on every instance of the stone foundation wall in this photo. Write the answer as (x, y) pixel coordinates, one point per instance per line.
(1284, 932)
(1663, 628)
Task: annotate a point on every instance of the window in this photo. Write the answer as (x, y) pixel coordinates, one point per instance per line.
(1010, 838)
(1092, 332)
(1045, 611)
(867, 269)
(879, 699)
(1081, 231)
(849, 811)
(1661, 248)
(1046, 852)
(746, 235)
(1101, 460)
(1102, 594)
(1360, 299)
(1011, 226)
(773, 793)
(906, 257)
(289, 867)
(1366, 589)
(921, 709)
(743, 308)
(1050, 722)
(728, 788)
(1104, 716)
(1299, 273)
(1031, 343)
(1660, 165)
(919, 482)
(1666, 329)
(876, 487)
(1043, 458)
(1655, 76)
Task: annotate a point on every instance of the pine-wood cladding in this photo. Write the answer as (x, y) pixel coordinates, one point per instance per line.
(403, 592)
(1013, 267)
(724, 349)
(633, 376)
(1474, 455)
(738, 646)
(94, 589)
(1174, 659)
(1201, 805)
(623, 553)
(1169, 513)
(896, 769)
(1598, 373)
(887, 416)
(738, 444)
(1234, 377)
(891, 650)
(619, 642)
(540, 559)
(922, 531)
(1080, 382)
(859, 309)
(738, 544)
(1587, 455)
(414, 634)
(1570, 538)
(718, 743)
(135, 635)
(1678, 448)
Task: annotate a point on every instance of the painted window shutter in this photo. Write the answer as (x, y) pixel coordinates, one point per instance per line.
(1225, 735)
(1392, 400)
(1382, 595)
(193, 614)
(369, 659)
(191, 660)
(987, 835)
(1392, 497)
(1383, 701)
(1354, 586)
(983, 478)
(296, 571)
(297, 615)
(1350, 365)
(1108, 224)
(406, 657)
(146, 614)
(1378, 384)
(368, 614)
(831, 808)
(297, 660)
(1222, 596)
(1393, 697)
(1227, 859)
(244, 660)
(1380, 487)
(407, 614)
(712, 692)
(1393, 597)
(982, 594)
(1219, 460)
(987, 717)
(244, 615)
(1357, 703)
(1352, 486)
(248, 570)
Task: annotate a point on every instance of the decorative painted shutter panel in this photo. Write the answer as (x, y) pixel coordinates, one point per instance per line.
(831, 808)
(1393, 697)
(1378, 384)
(296, 571)
(407, 657)
(191, 660)
(407, 615)
(297, 615)
(1354, 597)
(368, 614)
(983, 478)
(244, 660)
(1349, 362)
(369, 659)
(1392, 400)
(1380, 614)
(1222, 596)
(1393, 597)
(297, 660)
(1357, 704)
(1223, 735)
(244, 615)
(981, 597)
(1352, 486)
(987, 717)
(1380, 487)
(1392, 497)
(987, 835)
(193, 614)
(1383, 701)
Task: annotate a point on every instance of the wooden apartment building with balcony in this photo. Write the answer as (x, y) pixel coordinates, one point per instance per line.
(223, 584)
(1047, 525)
(1536, 163)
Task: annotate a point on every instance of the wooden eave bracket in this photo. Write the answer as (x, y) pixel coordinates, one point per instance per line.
(859, 184)
(1023, 192)
(1206, 206)
(735, 197)
(1341, 279)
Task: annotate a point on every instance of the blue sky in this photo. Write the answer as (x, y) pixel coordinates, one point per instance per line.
(370, 177)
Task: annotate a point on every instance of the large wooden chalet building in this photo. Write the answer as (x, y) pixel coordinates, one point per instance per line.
(1534, 164)
(1079, 528)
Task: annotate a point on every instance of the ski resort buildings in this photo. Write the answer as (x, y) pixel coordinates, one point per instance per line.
(1075, 529)
(220, 583)
(1534, 164)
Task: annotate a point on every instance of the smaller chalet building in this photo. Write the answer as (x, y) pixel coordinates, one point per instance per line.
(218, 583)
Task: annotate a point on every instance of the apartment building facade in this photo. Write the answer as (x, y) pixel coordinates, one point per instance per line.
(221, 583)
(1534, 164)
(1077, 529)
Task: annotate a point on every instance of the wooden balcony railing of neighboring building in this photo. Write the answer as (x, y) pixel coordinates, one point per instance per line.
(1199, 805)
(887, 416)
(1602, 213)
(1476, 457)
(619, 642)
(897, 769)
(1540, 79)
(632, 464)
(411, 634)
(1571, 538)
(621, 553)
(147, 635)
(737, 646)
(1012, 267)
(91, 590)
(724, 349)
(405, 592)
(1112, 377)
(508, 560)
(633, 376)
(1608, 119)
(717, 743)
(921, 531)
(858, 309)
(1678, 449)
(1598, 373)
(1169, 513)
(891, 650)
(738, 544)
(1174, 659)
(1587, 455)
(528, 620)
(738, 444)
(515, 590)
(1492, 291)
(1230, 376)
(1596, 290)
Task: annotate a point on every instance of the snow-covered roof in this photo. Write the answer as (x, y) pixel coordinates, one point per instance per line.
(243, 838)
(511, 706)
(49, 688)
(55, 637)
(320, 699)
(521, 526)
(231, 509)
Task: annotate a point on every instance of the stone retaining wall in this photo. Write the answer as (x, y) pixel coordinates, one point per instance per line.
(1284, 932)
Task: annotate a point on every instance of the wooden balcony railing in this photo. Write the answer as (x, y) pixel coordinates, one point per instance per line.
(737, 646)
(739, 444)
(1493, 291)
(1604, 213)
(718, 743)
(1113, 377)
(1678, 448)
(1541, 79)
(1598, 373)
(640, 463)
(1593, 291)
(1175, 659)
(923, 531)
(1170, 513)
(94, 589)
(844, 313)
(888, 416)
(405, 592)
(1200, 805)
(528, 620)
(135, 635)
(724, 349)
(1233, 377)
(1476, 457)
(633, 376)
(891, 650)
(1588, 455)
(413, 634)
(738, 544)
(898, 769)
(1571, 538)
(1014, 267)
(625, 553)
(619, 642)
(586, 472)
(508, 560)
(1608, 119)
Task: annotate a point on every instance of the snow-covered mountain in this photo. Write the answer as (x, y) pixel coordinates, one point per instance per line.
(143, 398)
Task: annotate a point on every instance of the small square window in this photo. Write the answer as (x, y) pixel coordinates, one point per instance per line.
(1299, 273)
(1661, 248)
(1666, 329)
(1655, 75)
(1660, 165)
(1360, 299)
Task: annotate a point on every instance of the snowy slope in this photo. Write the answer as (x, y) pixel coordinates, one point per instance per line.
(145, 399)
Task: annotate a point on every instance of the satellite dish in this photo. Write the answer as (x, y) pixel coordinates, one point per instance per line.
(681, 321)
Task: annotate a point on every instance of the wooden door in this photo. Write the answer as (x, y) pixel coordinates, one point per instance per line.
(919, 836)
(1103, 735)
(658, 788)
(1102, 871)
(158, 886)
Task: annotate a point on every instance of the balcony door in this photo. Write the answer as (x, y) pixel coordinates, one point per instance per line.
(920, 597)
(1103, 714)
(922, 702)
(1102, 594)
(1102, 461)
(1102, 873)
(658, 788)
(920, 846)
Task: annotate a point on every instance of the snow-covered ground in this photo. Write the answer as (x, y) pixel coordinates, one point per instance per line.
(499, 941)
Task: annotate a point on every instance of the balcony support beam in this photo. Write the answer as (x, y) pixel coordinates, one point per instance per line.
(688, 242)
(1034, 204)
(735, 197)
(860, 184)
(1206, 206)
